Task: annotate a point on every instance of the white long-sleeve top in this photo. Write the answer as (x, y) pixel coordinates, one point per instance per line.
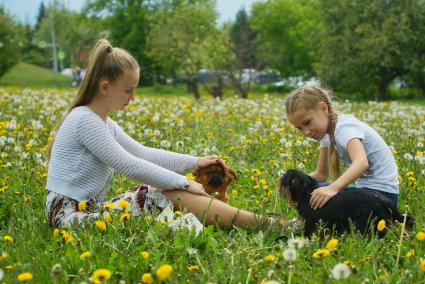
(87, 150)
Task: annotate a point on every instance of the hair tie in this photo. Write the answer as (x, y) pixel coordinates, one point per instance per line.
(109, 49)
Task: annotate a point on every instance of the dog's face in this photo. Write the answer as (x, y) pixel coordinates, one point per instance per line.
(215, 178)
(296, 187)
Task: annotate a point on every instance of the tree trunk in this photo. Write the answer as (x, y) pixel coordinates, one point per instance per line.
(192, 86)
(238, 86)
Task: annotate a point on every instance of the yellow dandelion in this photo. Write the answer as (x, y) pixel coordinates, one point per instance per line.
(147, 278)
(82, 206)
(56, 232)
(234, 193)
(109, 206)
(190, 176)
(332, 244)
(124, 217)
(178, 213)
(108, 217)
(24, 277)
(420, 236)
(67, 237)
(85, 255)
(3, 256)
(164, 271)
(101, 225)
(193, 268)
(144, 254)
(410, 253)
(381, 225)
(269, 258)
(123, 203)
(101, 275)
(8, 239)
(410, 174)
(422, 265)
(321, 253)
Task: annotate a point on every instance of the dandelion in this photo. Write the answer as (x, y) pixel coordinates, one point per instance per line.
(123, 203)
(341, 271)
(422, 265)
(193, 268)
(3, 256)
(56, 232)
(8, 239)
(234, 193)
(269, 258)
(67, 237)
(420, 236)
(108, 206)
(147, 278)
(101, 275)
(82, 205)
(56, 270)
(24, 277)
(332, 244)
(296, 243)
(164, 272)
(144, 254)
(290, 254)
(381, 225)
(410, 253)
(108, 217)
(124, 217)
(321, 253)
(101, 225)
(85, 255)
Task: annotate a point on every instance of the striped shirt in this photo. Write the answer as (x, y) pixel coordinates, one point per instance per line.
(87, 150)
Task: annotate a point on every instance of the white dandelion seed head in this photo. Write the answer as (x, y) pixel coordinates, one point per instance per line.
(296, 243)
(192, 251)
(408, 156)
(290, 254)
(341, 271)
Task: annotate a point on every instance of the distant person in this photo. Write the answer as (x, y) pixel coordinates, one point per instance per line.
(76, 76)
(89, 146)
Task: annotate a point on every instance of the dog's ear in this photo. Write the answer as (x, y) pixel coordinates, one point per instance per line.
(230, 174)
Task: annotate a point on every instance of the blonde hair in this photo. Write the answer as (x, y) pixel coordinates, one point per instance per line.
(309, 97)
(105, 63)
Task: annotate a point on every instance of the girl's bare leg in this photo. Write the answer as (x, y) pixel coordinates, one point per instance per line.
(201, 205)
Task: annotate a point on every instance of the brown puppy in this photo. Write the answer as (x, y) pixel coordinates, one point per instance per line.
(215, 178)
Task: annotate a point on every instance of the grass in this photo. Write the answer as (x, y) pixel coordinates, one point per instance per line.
(26, 75)
(257, 141)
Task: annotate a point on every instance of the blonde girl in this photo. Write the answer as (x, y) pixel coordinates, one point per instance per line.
(343, 137)
(89, 146)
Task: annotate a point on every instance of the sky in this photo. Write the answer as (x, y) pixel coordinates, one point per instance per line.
(26, 10)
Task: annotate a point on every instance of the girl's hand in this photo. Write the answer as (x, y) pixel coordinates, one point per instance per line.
(208, 160)
(320, 196)
(196, 188)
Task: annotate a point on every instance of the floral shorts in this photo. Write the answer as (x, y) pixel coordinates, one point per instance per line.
(142, 199)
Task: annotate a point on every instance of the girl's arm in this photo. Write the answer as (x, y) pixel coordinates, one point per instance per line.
(359, 165)
(322, 170)
(94, 135)
(179, 163)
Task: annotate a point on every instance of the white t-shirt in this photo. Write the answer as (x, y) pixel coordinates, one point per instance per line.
(382, 173)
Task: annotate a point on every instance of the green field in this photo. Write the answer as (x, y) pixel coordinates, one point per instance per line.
(257, 141)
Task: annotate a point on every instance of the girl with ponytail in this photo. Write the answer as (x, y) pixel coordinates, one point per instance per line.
(368, 158)
(89, 146)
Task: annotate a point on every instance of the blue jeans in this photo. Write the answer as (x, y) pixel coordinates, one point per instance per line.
(392, 196)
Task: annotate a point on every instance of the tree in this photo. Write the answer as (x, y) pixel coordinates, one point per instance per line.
(364, 45)
(176, 39)
(286, 32)
(10, 42)
(75, 33)
(41, 14)
(128, 25)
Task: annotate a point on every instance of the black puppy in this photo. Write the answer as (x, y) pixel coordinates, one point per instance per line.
(363, 208)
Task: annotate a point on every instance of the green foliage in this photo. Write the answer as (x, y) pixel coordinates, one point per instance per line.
(10, 42)
(75, 34)
(365, 45)
(286, 31)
